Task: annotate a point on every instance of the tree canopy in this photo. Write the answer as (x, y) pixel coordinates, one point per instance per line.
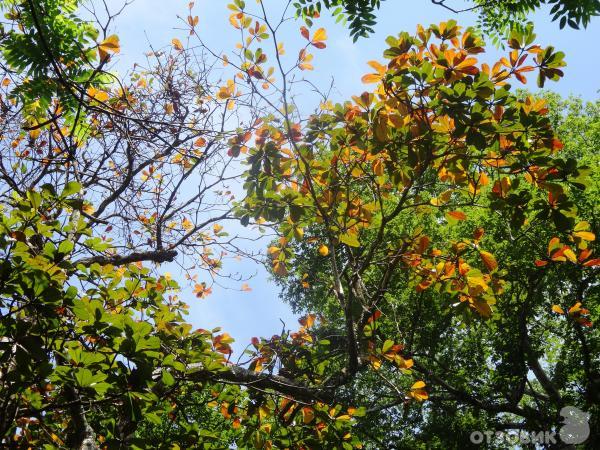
(496, 17)
(436, 232)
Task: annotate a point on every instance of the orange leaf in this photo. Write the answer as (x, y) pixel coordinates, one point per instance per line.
(371, 78)
(478, 234)
(308, 320)
(279, 268)
(584, 254)
(308, 414)
(378, 167)
(557, 309)
(489, 260)
(380, 68)
(592, 263)
(458, 215)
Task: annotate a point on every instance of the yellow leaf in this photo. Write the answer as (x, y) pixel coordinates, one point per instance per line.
(323, 250)
(418, 385)
(108, 46)
(585, 235)
(570, 254)
(187, 224)
(489, 260)
(320, 35)
(263, 412)
(280, 49)
(97, 94)
(477, 281)
(557, 309)
(177, 45)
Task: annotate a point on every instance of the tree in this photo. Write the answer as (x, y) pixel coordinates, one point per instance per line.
(426, 222)
(101, 178)
(474, 366)
(496, 17)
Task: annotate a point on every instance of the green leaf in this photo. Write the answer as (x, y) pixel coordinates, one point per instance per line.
(350, 240)
(72, 187)
(66, 247)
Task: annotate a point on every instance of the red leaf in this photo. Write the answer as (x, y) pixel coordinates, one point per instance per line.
(304, 33)
(592, 263)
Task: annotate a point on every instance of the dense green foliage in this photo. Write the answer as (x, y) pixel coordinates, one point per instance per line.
(484, 375)
(496, 17)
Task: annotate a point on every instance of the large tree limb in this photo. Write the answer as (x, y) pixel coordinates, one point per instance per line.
(157, 256)
(84, 435)
(263, 381)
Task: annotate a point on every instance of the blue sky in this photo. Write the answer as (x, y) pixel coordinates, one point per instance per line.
(155, 22)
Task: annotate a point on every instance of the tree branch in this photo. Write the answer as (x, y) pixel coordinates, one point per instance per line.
(157, 256)
(277, 383)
